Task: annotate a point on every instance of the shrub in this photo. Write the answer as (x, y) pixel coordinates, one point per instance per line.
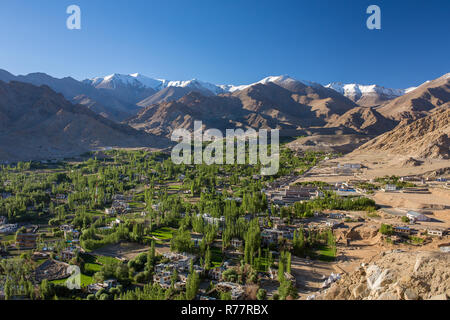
(386, 229)
(261, 294)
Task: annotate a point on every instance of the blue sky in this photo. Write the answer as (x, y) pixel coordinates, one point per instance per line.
(234, 41)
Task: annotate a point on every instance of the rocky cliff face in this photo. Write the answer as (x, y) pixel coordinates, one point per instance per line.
(427, 137)
(38, 123)
(396, 275)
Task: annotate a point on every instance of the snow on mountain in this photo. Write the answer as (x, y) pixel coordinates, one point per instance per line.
(356, 91)
(137, 80)
(408, 90)
(232, 88)
(283, 80)
(195, 84)
(115, 80)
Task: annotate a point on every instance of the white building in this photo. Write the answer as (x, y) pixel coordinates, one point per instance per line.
(390, 188)
(416, 216)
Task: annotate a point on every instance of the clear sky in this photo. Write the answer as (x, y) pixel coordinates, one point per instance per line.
(230, 42)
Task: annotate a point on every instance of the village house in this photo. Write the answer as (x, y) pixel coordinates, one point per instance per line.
(115, 222)
(211, 220)
(402, 231)
(268, 236)
(107, 284)
(409, 179)
(235, 289)
(237, 243)
(336, 215)
(416, 216)
(163, 279)
(389, 188)
(68, 254)
(69, 232)
(216, 273)
(179, 262)
(349, 166)
(272, 236)
(332, 223)
(436, 232)
(110, 211)
(346, 192)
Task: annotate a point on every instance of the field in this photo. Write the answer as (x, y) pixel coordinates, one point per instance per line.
(163, 234)
(85, 280)
(326, 253)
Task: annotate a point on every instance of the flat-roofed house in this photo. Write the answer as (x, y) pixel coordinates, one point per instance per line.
(403, 231)
(390, 188)
(436, 232)
(416, 216)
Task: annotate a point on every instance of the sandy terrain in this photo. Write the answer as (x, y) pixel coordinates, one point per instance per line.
(375, 166)
(381, 164)
(425, 203)
(310, 274)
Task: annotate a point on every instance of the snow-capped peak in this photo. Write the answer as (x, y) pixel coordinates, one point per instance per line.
(116, 79)
(285, 79)
(140, 81)
(358, 90)
(282, 79)
(195, 84)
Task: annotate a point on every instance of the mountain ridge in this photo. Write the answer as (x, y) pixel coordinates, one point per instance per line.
(38, 123)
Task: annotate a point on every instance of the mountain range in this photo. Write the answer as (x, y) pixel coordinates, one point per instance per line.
(48, 116)
(38, 123)
(367, 95)
(119, 96)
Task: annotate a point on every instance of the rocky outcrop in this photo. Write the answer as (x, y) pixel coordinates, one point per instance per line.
(428, 137)
(396, 275)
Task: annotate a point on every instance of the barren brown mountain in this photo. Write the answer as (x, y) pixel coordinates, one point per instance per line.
(419, 102)
(214, 111)
(428, 137)
(364, 120)
(38, 123)
(266, 105)
(115, 103)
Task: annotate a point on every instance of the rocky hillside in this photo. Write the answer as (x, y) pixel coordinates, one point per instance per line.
(419, 102)
(427, 137)
(395, 275)
(364, 120)
(116, 104)
(288, 106)
(38, 123)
